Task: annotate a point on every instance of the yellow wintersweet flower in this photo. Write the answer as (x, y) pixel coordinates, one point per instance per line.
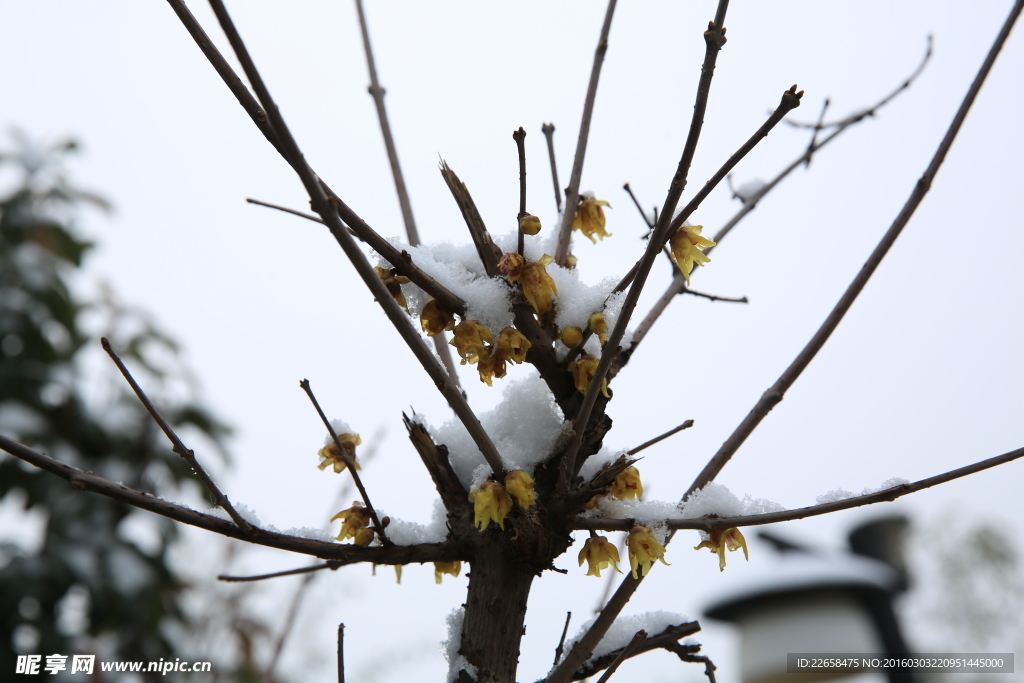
(393, 282)
(720, 539)
(627, 484)
(490, 366)
(513, 345)
(590, 219)
(599, 326)
(599, 553)
(332, 456)
(571, 336)
(469, 338)
(644, 549)
(452, 568)
(583, 371)
(529, 224)
(435, 318)
(491, 502)
(685, 248)
(363, 538)
(520, 485)
(538, 285)
(511, 266)
(570, 261)
(352, 520)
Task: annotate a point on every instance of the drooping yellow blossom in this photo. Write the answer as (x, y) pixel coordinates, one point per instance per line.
(721, 539)
(363, 538)
(435, 318)
(599, 553)
(332, 456)
(590, 219)
(571, 336)
(452, 568)
(599, 326)
(627, 484)
(491, 502)
(393, 282)
(511, 266)
(537, 285)
(685, 247)
(513, 345)
(570, 261)
(469, 338)
(398, 573)
(583, 371)
(644, 549)
(529, 224)
(490, 365)
(352, 520)
(520, 485)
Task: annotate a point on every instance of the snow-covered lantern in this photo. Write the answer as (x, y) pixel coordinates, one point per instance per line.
(813, 603)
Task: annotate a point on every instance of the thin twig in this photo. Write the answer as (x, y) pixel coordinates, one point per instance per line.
(520, 137)
(176, 443)
(715, 297)
(396, 257)
(685, 656)
(345, 554)
(790, 100)
(640, 636)
(572, 193)
(647, 220)
(674, 430)
(883, 496)
(549, 132)
(377, 92)
(776, 392)
(333, 210)
(667, 639)
(812, 145)
(286, 629)
(349, 462)
(300, 214)
(561, 641)
(231, 578)
(341, 653)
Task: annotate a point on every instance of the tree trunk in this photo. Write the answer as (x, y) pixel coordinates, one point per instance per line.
(499, 585)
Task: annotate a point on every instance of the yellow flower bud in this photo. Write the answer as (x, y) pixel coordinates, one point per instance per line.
(491, 502)
(330, 455)
(469, 338)
(452, 568)
(435, 318)
(537, 285)
(627, 484)
(520, 485)
(363, 538)
(570, 261)
(599, 326)
(511, 266)
(393, 282)
(720, 539)
(490, 365)
(571, 336)
(529, 224)
(590, 219)
(353, 520)
(583, 371)
(685, 248)
(513, 345)
(599, 554)
(644, 549)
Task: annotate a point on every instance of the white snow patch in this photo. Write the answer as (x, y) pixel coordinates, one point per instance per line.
(248, 514)
(456, 662)
(836, 495)
(624, 628)
(524, 427)
(716, 499)
(340, 427)
(311, 533)
(401, 532)
(750, 189)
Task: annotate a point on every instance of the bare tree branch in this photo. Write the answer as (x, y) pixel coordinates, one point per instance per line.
(664, 640)
(331, 211)
(777, 391)
(485, 246)
(300, 214)
(344, 553)
(341, 653)
(231, 578)
(674, 430)
(626, 652)
(884, 496)
(178, 446)
(520, 137)
(647, 220)
(561, 641)
(549, 132)
(812, 145)
(572, 193)
(715, 297)
(349, 462)
(286, 628)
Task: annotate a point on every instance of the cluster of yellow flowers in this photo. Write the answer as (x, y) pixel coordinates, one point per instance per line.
(627, 486)
(532, 276)
(721, 539)
(643, 549)
(475, 344)
(492, 502)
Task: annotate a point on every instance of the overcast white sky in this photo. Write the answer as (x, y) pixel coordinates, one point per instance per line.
(923, 375)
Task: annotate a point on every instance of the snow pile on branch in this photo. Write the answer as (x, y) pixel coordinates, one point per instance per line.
(401, 532)
(623, 629)
(836, 495)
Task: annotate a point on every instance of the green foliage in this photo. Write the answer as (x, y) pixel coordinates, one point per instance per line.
(51, 399)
